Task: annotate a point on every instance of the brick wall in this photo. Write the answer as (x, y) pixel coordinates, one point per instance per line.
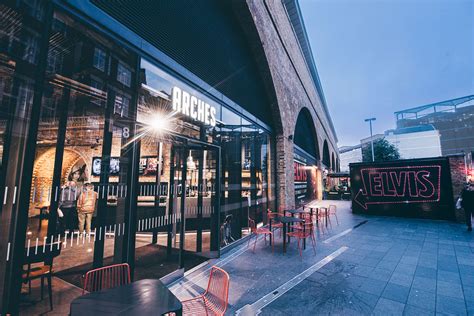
(458, 179)
(294, 90)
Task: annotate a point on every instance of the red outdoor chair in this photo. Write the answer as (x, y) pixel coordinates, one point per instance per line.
(304, 231)
(323, 214)
(259, 231)
(332, 211)
(275, 223)
(106, 277)
(214, 301)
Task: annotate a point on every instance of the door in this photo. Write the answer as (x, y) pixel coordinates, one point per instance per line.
(201, 200)
(176, 206)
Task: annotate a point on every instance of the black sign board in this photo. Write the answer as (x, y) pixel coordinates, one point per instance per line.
(303, 179)
(410, 188)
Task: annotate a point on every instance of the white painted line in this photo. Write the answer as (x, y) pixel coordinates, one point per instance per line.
(14, 195)
(347, 231)
(5, 196)
(8, 252)
(256, 307)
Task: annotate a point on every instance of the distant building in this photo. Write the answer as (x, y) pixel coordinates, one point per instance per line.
(350, 154)
(454, 119)
(420, 141)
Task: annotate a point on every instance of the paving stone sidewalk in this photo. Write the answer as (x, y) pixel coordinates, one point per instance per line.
(393, 266)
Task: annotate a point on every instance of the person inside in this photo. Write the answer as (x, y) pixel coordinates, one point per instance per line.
(86, 207)
(67, 205)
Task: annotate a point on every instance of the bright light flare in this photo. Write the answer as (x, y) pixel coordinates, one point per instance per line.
(159, 123)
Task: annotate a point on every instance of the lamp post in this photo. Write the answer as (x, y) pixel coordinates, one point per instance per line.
(371, 138)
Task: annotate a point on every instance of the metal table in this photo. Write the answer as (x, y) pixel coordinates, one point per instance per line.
(293, 212)
(285, 220)
(144, 297)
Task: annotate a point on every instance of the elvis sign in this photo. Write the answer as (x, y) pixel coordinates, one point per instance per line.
(407, 187)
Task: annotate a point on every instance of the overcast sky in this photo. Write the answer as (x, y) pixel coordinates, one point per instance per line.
(375, 57)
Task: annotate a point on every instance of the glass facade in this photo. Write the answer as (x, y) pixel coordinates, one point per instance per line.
(112, 159)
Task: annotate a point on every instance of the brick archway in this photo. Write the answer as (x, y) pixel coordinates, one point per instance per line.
(43, 174)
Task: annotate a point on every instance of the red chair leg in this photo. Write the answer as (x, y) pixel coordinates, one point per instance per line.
(255, 243)
(299, 248)
(271, 240)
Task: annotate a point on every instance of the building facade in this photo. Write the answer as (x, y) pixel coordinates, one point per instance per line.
(422, 141)
(454, 119)
(182, 131)
(350, 154)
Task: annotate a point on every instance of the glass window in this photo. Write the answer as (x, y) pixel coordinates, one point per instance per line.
(55, 61)
(34, 8)
(155, 105)
(31, 49)
(122, 104)
(100, 59)
(124, 75)
(74, 137)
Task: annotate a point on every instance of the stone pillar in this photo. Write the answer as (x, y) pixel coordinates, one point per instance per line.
(285, 172)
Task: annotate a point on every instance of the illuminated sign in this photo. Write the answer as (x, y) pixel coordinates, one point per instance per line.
(395, 185)
(300, 172)
(191, 106)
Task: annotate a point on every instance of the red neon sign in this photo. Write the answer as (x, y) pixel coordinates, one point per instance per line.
(300, 172)
(390, 185)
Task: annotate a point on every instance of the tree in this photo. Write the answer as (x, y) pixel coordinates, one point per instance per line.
(383, 151)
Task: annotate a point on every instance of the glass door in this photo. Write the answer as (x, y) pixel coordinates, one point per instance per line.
(157, 251)
(177, 180)
(201, 200)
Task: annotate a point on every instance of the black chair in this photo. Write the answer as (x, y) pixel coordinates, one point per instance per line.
(41, 254)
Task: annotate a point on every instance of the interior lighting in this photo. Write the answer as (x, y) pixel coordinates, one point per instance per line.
(190, 164)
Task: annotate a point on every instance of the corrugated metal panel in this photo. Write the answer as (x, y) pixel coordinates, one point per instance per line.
(204, 37)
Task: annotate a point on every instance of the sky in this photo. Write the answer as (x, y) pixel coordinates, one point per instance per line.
(375, 57)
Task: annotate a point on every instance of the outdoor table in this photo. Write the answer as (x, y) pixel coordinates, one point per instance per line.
(285, 220)
(144, 297)
(317, 207)
(293, 212)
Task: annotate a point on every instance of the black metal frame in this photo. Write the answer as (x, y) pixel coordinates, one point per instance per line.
(17, 220)
(9, 293)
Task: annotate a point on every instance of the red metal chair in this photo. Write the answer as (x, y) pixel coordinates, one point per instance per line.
(275, 223)
(216, 298)
(332, 211)
(106, 277)
(308, 219)
(259, 231)
(323, 214)
(305, 230)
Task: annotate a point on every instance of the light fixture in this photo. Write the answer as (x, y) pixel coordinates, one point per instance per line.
(190, 165)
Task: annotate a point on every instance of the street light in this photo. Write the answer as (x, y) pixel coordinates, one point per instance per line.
(371, 138)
